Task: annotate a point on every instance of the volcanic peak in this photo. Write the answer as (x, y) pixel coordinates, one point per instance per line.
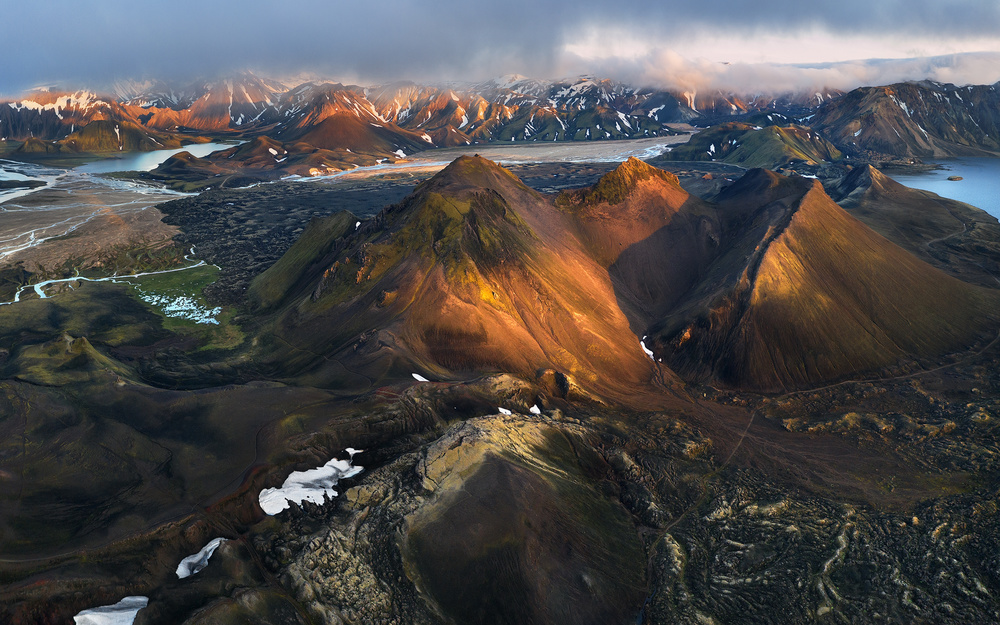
(616, 186)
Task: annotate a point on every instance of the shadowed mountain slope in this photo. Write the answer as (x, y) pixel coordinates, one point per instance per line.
(653, 236)
(805, 293)
(922, 119)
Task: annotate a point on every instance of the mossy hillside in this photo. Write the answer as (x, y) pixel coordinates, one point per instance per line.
(458, 219)
(467, 237)
(104, 312)
(770, 147)
(317, 241)
(779, 145)
(64, 360)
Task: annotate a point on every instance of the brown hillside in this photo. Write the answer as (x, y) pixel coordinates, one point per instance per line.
(655, 238)
(820, 297)
(474, 272)
(953, 236)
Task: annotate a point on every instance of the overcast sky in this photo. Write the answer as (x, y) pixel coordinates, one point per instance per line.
(687, 44)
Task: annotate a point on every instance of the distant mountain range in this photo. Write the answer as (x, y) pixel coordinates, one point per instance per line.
(341, 126)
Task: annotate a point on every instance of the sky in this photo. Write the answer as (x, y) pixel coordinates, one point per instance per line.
(764, 45)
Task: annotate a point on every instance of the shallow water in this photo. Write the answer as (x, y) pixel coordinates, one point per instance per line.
(980, 184)
(71, 200)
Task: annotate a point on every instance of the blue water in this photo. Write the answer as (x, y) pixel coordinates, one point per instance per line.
(145, 161)
(980, 184)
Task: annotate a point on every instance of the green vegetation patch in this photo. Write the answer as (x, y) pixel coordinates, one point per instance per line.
(177, 297)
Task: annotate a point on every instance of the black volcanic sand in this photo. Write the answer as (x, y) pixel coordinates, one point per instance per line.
(21, 184)
(244, 231)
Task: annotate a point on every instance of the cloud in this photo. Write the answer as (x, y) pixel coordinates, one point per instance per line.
(666, 68)
(90, 42)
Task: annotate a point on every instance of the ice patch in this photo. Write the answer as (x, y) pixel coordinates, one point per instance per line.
(648, 351)
(181, 307)
(121, 613)
(311, 485)
(419, 378)
(195, 563)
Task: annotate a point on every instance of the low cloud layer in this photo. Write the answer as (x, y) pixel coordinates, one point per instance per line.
(91, 42)
(667, 68)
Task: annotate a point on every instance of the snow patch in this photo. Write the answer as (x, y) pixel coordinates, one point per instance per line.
(504, 411)
(196, 562)
(648, 351)
(535, 409)
(121, 613)
(311, 485)
(419, 378)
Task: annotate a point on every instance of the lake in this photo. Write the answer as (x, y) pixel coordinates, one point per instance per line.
(980, 184)
(146, 161)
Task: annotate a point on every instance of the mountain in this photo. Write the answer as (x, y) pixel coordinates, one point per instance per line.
(924, 119)
(955, 237)
(512, 108)
(332, 116)
(803, 293)
(54, 115)
(768, 147)
(773, 287)
(105, 136)
(217, 105)
(530, 110)
(654, 238)
(473, 272)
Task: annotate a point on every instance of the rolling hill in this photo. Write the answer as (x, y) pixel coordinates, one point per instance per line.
(750, 145)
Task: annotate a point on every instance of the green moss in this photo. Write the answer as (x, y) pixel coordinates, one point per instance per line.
(317, 241)
(190, 284)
